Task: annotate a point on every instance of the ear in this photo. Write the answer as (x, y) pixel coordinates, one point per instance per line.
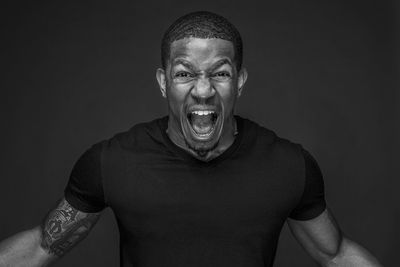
(242, 78)
(162, 82)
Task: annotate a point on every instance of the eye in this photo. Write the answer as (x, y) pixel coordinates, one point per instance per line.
(222, 75)
(183, 74)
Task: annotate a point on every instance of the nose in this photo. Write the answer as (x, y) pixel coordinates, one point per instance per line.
(203, 89)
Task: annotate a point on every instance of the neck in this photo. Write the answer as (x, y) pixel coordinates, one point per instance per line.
(226, 140)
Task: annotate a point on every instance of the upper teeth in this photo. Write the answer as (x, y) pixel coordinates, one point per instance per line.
(203, 112)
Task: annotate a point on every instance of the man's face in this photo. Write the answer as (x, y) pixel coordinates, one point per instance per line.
(201, 85)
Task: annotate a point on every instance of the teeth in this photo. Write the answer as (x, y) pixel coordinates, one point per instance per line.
(203, 112)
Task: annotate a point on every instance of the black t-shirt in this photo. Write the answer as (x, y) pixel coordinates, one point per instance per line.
(174, 210)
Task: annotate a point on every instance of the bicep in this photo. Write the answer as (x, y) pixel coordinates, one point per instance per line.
(64, 227)
(320, 237)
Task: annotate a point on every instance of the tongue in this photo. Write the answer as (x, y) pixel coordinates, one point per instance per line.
(202, 124)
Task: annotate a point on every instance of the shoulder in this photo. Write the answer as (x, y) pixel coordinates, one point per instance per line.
(265, 138)
(140, 135)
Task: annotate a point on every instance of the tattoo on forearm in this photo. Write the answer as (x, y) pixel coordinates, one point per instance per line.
(64, 227)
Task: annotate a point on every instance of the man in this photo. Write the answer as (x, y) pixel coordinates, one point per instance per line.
(199, 187)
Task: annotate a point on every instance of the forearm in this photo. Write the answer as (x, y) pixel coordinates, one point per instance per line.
(62, 229)
(350, 254)
(24, 249)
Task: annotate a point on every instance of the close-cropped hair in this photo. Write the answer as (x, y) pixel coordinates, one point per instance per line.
(205, 25)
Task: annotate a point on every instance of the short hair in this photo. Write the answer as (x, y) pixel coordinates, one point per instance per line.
(205, 25)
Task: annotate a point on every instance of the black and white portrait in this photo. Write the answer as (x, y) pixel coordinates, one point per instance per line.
(200, 134)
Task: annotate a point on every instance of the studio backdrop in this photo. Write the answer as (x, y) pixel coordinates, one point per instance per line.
(321, 73)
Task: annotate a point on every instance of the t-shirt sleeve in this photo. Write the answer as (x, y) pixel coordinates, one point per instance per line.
(312, 202)
(84, 190)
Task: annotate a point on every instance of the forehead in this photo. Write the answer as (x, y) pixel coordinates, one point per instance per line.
(200, 50)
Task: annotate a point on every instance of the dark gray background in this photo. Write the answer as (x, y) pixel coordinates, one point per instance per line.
(321, 73)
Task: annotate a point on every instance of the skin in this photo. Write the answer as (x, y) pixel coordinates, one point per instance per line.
(323, 240)
(64, 227)
(200, 72)
(61, 230)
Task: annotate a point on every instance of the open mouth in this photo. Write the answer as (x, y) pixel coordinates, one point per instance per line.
(202, 122)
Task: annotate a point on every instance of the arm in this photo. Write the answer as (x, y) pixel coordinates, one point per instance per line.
(323, 240)
(62, 228)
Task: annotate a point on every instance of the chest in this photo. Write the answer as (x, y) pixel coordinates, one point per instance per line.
(234, 197)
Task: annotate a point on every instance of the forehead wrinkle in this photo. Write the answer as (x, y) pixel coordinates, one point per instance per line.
(180, 61)
(214, 66)
(201, 53)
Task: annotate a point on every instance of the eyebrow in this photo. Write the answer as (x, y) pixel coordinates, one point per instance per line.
(184, 63)
(215, 66)
(220, 63)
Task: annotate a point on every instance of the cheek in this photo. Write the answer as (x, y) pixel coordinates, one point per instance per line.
(178, 93)
(226, 91)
